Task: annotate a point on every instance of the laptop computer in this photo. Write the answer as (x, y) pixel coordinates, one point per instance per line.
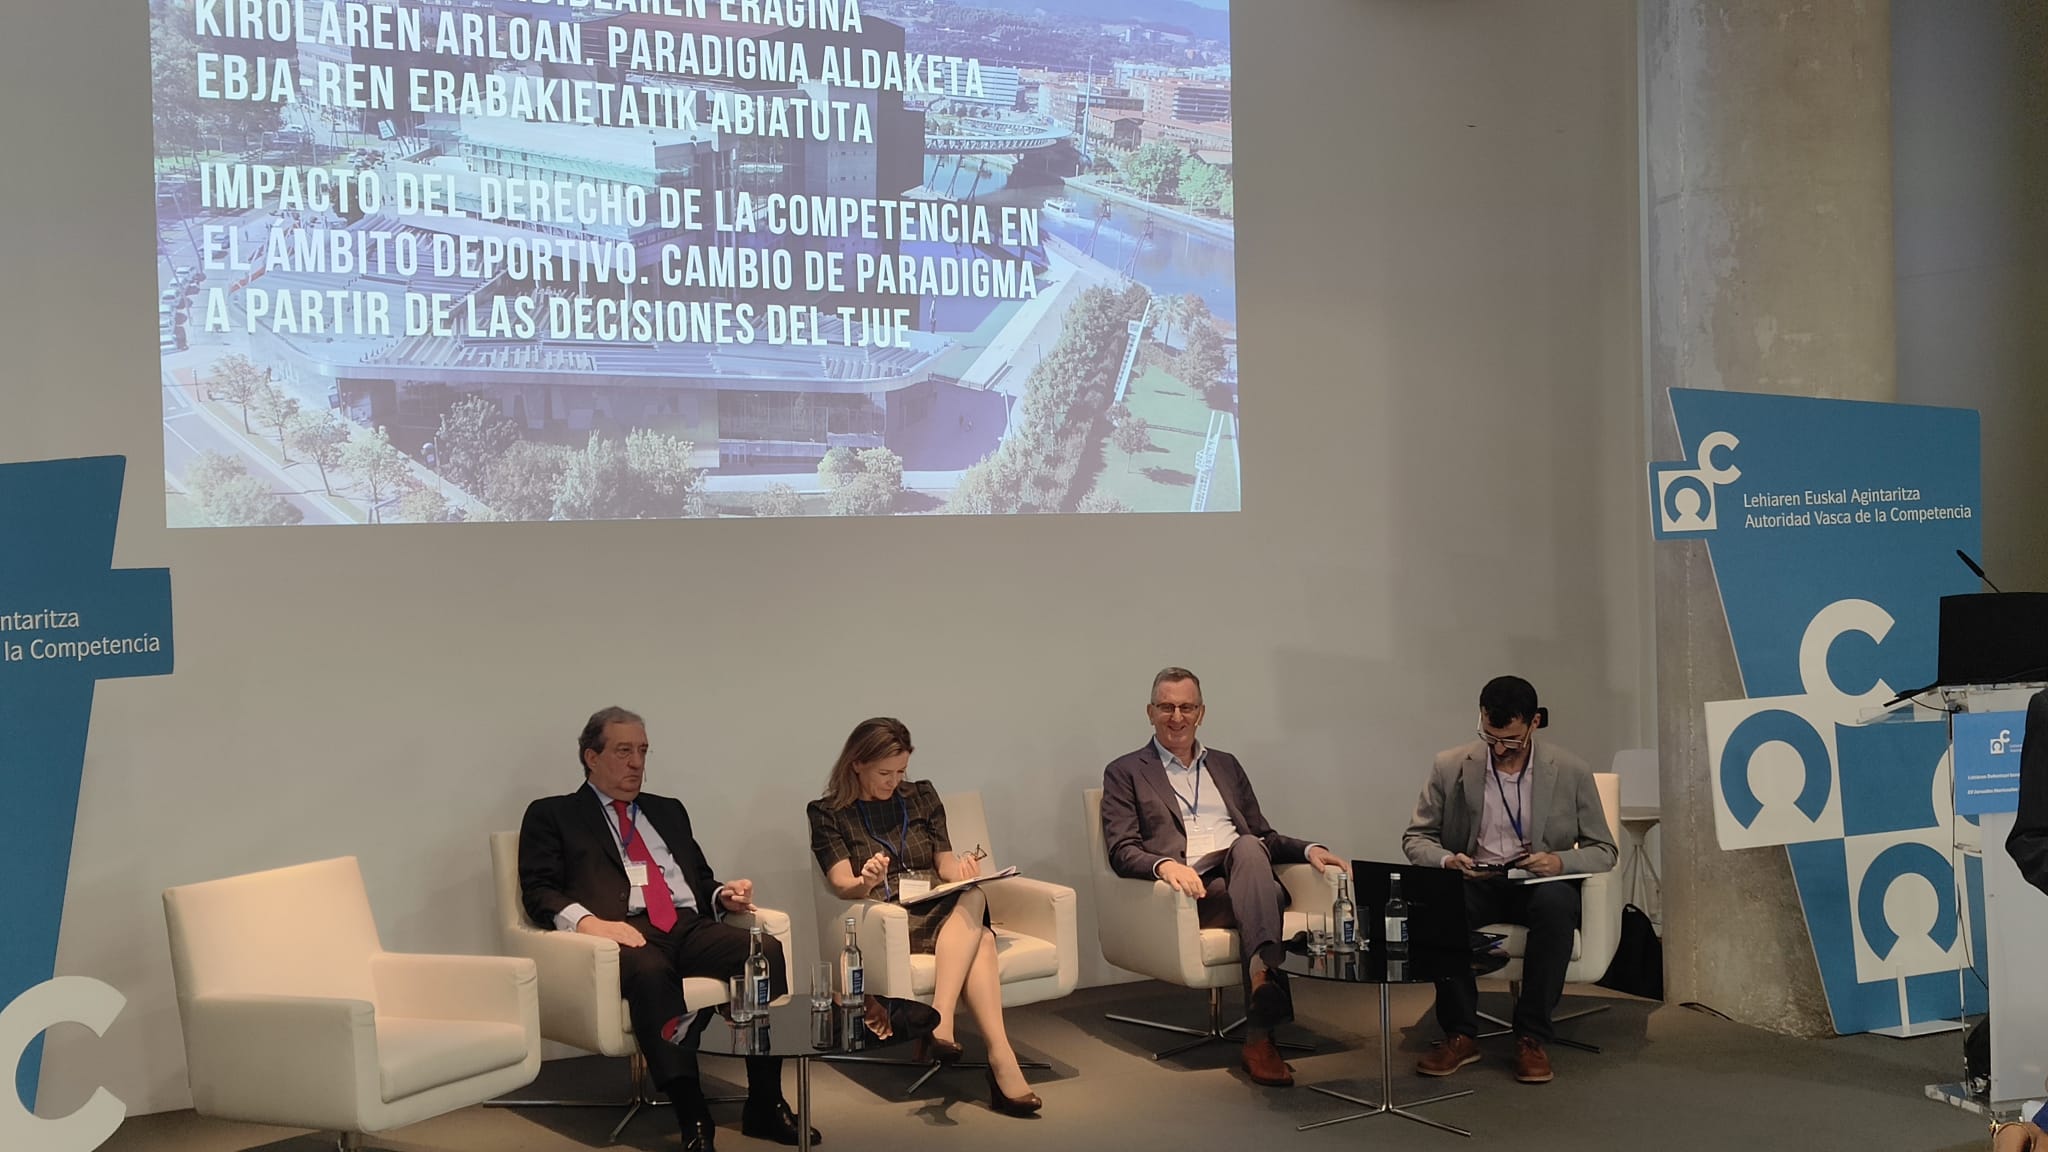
(1436, 905)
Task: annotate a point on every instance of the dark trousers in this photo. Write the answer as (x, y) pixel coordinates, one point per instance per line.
(651, 977)
(1243, 893)
(1551, 913)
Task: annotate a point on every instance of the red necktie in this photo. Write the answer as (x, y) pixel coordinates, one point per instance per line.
(661, 907)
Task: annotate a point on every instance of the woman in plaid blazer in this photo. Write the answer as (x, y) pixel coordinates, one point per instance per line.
(870, 828)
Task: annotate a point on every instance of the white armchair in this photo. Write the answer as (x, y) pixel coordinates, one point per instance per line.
(295, 1015)
(1148, 928)
(1599, 934)
(580, 1001)
(1037, 944)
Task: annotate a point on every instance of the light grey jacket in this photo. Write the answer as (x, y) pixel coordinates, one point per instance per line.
(1570, 820)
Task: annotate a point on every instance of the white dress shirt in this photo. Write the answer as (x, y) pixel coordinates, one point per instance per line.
(1507, 800)
(1199, 802)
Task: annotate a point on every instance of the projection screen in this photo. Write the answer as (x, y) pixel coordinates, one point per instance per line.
(459, 260)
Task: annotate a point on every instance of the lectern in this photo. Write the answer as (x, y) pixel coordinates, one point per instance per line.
(1993, 658)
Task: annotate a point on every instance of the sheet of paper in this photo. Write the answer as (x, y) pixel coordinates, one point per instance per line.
(1522, 876)
(948, 889)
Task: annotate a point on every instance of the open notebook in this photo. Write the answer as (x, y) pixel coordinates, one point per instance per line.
(948, 889)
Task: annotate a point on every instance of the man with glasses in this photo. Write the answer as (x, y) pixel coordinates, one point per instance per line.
(1183, 814)
(1505, 802)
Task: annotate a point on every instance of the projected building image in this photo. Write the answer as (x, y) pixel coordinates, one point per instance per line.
(477, 310)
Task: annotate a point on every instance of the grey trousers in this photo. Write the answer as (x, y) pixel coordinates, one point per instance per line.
(1243, 893)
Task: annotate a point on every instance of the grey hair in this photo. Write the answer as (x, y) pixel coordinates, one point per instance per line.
(592, 739)
(1175, 676)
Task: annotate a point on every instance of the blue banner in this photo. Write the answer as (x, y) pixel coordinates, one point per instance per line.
(67, 621)
(1832, 526)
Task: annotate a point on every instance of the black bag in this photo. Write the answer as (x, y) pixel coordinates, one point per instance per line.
(1638, 967)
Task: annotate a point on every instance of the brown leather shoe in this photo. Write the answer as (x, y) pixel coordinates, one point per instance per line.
(1262, 1062)
(1532, 1063)
(1448, 1055)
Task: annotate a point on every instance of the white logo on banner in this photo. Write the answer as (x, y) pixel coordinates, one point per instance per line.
(1775, 776)
(65, 1000)
(1685, 496)
(2002, 743)
(1903, 904)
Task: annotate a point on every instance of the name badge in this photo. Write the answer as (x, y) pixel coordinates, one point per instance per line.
(911, 887)
(636, 873)
(1202, 841)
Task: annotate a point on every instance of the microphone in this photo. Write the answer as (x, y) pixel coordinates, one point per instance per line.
(1965, 558)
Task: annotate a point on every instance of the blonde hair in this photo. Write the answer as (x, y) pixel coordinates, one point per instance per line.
(872, 740)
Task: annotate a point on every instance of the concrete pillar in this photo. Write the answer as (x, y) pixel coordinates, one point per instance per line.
(1768, 259)
(1970, 156)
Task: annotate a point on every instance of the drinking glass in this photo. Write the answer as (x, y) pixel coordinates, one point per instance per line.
(821, 985)
(739, 1005)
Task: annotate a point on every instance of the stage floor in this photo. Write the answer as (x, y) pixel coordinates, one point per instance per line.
(1670, 1079)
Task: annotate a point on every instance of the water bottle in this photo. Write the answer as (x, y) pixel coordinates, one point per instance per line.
(852, 981)
(1396, 922)
(1344, 918)
(758, 987)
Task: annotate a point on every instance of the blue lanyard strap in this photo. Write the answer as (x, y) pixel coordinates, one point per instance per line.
(1515, 813)
(898, 851)
(626, 826)
(1197, 801)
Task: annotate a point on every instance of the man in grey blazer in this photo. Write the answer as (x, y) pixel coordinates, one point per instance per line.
(1185, 815)
(1506, 800)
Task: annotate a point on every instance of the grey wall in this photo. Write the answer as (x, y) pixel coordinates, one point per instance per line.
(1970, 226)
(1443, 458)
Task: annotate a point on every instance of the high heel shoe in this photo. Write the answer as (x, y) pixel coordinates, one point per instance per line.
(932, 1048)
(1026, 1105)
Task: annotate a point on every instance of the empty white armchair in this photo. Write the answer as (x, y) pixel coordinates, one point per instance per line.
(1599, 934)
(1037, 944)
(1148, 928)
(580, 1001)
(295, 1015)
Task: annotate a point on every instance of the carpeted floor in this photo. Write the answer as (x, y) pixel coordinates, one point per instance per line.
(1669, 1079)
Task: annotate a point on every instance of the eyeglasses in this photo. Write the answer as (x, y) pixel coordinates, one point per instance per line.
(979, 853)
(1178, 709)
(1503, 743)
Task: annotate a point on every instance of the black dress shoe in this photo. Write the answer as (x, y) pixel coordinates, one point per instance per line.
(1268, 1003)
(777, 1124)
(910, 1017)
(699, 1135)
(1026, 1105)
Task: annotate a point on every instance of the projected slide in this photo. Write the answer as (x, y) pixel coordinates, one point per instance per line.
(426, 261)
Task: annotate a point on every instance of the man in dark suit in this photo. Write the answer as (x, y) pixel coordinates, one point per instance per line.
(612, 861)
(2028, 843)
(1185, 815)
(1504, 801)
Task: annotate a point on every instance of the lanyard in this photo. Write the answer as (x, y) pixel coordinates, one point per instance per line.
(899, 851)
(1515, 813)
(1196, 803)
(627, 827)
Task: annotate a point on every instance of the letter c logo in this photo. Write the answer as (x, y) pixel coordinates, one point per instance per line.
(72, 1000)
(1830, 624)
(1894, 862)
(1703, 459)
(1775, 725)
